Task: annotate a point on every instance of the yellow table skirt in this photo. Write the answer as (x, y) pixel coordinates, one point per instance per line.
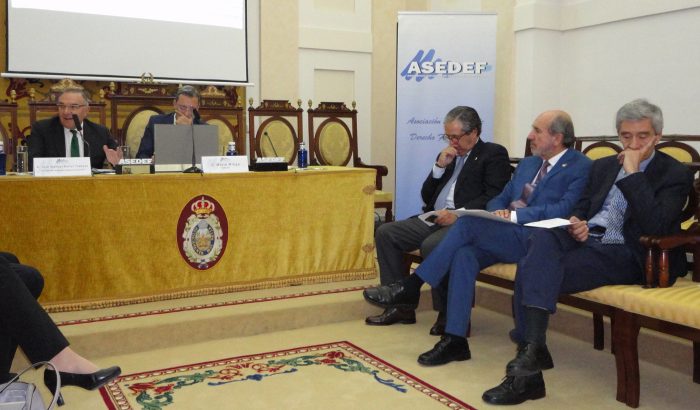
(112, 239)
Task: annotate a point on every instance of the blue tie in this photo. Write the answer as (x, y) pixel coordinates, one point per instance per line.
(616, 218)
(441, 201)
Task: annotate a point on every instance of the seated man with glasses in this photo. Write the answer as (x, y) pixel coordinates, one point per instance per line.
(468, 172)
(185, 103)
(59, 136)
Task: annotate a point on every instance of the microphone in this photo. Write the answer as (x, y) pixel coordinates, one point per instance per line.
(79, 128)
(193, 169)
(271, 144)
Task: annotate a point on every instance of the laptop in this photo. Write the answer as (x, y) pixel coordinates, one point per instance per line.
(173, 145)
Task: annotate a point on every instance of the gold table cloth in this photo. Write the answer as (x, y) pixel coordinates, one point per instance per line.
(112, 239)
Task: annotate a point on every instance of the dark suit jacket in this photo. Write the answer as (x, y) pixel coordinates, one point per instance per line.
(48, 141)
(555, 195)
(147, 145)
(482, 177)
(655, 200)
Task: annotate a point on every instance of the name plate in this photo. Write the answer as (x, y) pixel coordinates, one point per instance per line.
(223, 165)
(265, 160)
(135, 166)
(62, 167)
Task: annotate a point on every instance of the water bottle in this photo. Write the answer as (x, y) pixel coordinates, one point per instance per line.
(231, 149)
(302, 156)
(22, 163)
(3, 157)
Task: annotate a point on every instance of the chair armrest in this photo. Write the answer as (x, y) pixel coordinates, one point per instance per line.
(664, 244)
(382, 171)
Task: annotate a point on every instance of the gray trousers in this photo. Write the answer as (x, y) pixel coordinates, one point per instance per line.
(395, 238)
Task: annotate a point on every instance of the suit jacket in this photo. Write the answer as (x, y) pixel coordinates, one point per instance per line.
(482, 177)
(655, 200)
(554, 196)
(48, 141)
(147, 145)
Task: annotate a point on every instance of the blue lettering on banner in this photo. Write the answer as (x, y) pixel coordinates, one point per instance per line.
(425, 65)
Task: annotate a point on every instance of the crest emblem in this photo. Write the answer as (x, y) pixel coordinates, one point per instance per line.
(202, 232)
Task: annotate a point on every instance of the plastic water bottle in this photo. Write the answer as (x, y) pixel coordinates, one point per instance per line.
(3, 157)
(302, 156)
(231, 149)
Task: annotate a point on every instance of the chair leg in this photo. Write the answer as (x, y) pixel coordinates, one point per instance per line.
(626, 357)
(696, 362)
(598, 332)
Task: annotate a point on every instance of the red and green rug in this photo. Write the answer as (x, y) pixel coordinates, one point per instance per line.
(333, 375)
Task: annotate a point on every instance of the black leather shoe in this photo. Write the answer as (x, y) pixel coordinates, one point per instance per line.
(392, 315)
(529, 360)
(544, 358)
(449, 348)
(90, 381)
(515, 390)
(438, 328)
(394, 295)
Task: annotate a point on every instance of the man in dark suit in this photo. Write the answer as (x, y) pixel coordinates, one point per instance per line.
(639, 192)
(58, 136)
(186, 102)
(484, 169)
(544, 186)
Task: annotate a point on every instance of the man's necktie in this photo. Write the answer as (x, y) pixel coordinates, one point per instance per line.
(616, 218)
(74, 148)
(441, 200)
(529, 188)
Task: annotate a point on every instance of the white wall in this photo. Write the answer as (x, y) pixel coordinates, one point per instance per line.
(590, 57)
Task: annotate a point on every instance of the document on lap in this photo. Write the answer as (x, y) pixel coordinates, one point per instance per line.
(429, 218)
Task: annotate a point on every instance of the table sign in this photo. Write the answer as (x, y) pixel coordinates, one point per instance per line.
(224, 164)
(62, 167)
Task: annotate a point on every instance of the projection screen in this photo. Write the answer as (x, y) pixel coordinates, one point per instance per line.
(173, 40)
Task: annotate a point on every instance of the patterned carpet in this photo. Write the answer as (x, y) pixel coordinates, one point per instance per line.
(337, 372)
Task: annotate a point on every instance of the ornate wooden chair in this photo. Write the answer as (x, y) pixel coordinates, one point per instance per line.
(134, 104)
(46, 106)
(333, 141)
(275, 129)
(9, 131)
(601, 149)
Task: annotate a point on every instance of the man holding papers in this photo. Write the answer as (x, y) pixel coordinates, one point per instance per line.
(468, 172)
(544, 186)
(640, 192)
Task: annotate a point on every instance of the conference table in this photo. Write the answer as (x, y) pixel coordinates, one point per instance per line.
(108, 240)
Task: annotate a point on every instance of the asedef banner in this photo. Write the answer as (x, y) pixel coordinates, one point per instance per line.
(443, 60)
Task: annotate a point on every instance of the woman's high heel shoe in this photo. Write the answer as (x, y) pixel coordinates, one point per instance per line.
(90, 381)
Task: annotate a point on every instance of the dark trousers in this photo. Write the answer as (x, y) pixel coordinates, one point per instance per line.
(23, 321)
(557, 264)
(395, 238)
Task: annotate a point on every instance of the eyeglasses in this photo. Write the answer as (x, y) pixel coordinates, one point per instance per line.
(182, 107)
(71, 107)
(451, 138)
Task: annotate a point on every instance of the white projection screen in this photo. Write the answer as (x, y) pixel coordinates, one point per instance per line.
(118, 40)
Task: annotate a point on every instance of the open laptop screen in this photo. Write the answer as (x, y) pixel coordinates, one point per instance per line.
(173, 143)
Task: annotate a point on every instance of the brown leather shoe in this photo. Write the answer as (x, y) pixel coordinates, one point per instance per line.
(392, 315)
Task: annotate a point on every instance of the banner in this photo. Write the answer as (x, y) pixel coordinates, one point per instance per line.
(443, 60)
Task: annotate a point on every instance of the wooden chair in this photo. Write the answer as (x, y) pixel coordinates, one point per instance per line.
(275, 129)
(134, 104)
(46, 106)
(9, 132)
(601, 149)
(333, 141)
